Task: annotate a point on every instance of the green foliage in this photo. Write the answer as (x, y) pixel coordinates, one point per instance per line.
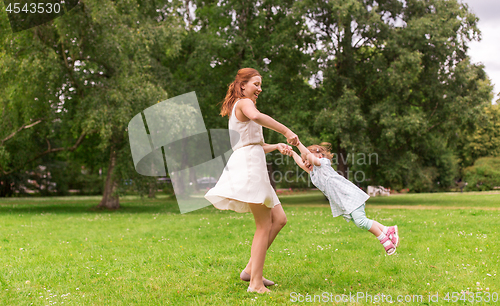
(69, 175)
(86, 73)
(398, 83)
(484, 174)
(391, 78)
(483, 140)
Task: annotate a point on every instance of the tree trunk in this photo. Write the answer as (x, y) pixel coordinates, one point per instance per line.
(5, 188)
(152, 190)
(178, 179)
(110, 201)
(342, 160)
(345, 69)
(192, 179)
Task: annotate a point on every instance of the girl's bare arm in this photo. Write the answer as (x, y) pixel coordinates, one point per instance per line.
(299, 162)
(308, 156)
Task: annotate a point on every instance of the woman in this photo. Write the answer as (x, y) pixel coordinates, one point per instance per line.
(244, 185)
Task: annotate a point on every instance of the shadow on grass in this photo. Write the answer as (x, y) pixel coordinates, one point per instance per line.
(128, 205)
(305, 199)
(89, 206)
(168, 205)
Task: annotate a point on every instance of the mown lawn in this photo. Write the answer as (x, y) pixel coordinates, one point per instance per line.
(63, 251)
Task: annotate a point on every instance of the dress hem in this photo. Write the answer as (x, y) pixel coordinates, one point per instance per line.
(243, 203)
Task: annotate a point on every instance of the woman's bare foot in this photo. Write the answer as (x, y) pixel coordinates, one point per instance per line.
(244, 276)
(260, 290)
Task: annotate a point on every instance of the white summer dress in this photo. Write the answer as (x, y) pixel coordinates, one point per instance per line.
(244, 179)
(343, 195)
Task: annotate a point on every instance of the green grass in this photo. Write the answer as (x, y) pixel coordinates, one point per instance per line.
(450, 199)
(62, 250)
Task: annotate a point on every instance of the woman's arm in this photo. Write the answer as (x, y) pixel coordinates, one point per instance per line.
(248, 109)
(299, 162)
(269, 147)
(308, 156)
(283, 148)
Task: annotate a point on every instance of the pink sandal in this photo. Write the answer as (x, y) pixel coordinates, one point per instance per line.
(390, 248)
(392, 233)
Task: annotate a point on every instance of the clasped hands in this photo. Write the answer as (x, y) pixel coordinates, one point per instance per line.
(292, 139)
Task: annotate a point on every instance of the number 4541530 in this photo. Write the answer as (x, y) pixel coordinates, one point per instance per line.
(34, 8)
(471, 297)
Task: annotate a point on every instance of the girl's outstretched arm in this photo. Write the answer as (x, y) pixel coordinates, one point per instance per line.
(299, 162)
(308, 156)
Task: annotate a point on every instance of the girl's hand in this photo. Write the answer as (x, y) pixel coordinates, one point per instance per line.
(292, 138)
(284, 149)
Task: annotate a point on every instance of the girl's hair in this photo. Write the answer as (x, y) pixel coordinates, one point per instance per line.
(234, 91)
(323, 148)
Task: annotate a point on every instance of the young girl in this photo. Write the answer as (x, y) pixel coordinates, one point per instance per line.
(345, 198)
(244, 185)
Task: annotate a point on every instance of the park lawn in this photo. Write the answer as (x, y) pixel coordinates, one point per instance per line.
(62, 250)
(487, 200)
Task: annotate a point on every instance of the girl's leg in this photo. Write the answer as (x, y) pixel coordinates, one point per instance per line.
(361, 221)
(377, 229)
(262, 216)
(278, 219)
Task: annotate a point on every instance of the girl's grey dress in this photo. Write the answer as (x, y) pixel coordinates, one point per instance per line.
(343, 195)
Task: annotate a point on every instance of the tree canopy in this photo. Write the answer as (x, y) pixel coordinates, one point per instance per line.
(386, 79)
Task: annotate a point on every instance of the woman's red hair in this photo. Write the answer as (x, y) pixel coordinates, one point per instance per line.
(234, 91)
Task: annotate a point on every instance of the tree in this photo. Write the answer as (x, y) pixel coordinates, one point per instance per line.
(484, 141)
(94, 69)
(397, 82)
(229, 35)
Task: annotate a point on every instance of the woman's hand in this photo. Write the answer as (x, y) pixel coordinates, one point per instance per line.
(292, 138)
(284, 149)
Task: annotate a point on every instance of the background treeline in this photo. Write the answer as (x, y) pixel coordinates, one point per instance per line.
(388, 79)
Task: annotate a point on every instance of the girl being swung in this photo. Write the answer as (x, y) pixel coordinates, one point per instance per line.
(345, 198)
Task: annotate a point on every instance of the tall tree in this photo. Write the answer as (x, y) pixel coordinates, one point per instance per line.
(397, 82)
(93, 70)
(228, 35)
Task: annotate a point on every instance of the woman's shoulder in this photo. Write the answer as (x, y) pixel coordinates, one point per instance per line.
(238, 105)
(244, 101)
(241, 102)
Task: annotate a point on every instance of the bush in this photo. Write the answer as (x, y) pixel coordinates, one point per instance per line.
(484, 175)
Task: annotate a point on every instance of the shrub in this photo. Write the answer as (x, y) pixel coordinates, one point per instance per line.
(484, 174)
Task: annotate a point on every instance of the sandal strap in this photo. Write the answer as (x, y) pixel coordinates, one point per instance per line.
(389, 246)
(384, 240)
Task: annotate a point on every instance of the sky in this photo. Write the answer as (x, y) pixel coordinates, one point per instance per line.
(487, 51)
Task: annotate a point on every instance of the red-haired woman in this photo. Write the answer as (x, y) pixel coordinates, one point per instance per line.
(244, 185)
